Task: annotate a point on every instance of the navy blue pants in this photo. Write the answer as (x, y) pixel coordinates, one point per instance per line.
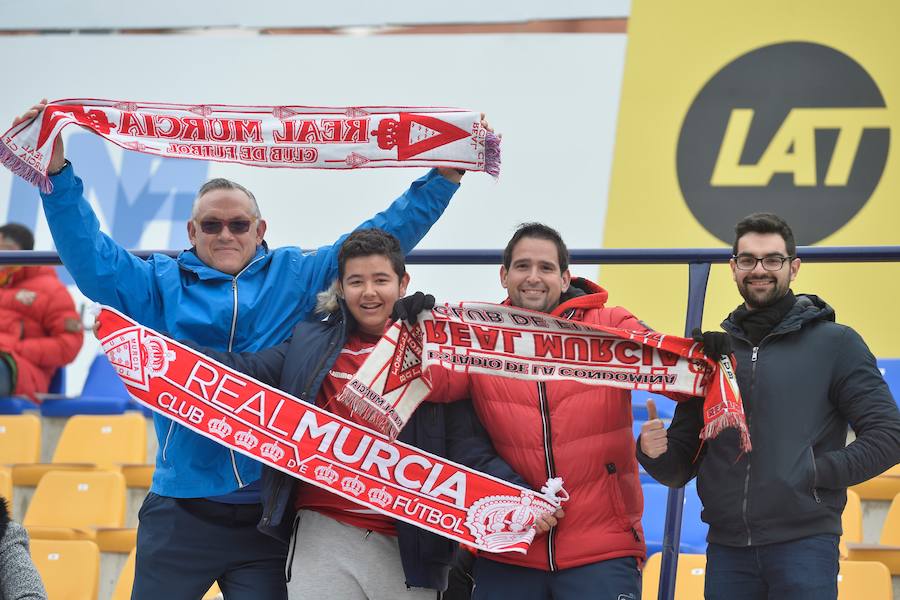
(184, 545)
(804, 569)
(615, 579)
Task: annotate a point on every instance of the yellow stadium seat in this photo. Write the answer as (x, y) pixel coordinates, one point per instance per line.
(138, 475)
(126, 581)
(6, 486)
(888, 550)
(20, 439)
(688, 581)
(851, 522)
(92, 442)
(70, 568)
(81, 505)
(882, 487)
(868, 580)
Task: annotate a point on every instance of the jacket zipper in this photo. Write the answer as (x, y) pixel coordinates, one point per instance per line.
(815, 492)
(234, 314)
(551, 466)
(746, 500)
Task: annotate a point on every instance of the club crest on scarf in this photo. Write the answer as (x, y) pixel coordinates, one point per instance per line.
(406, 364)
(137, 358)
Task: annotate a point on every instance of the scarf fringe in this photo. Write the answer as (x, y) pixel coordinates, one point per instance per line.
(24, 170)
(374, 418)
(725, 421)
(492, 154)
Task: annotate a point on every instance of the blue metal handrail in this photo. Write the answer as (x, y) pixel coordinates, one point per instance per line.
(698, 260)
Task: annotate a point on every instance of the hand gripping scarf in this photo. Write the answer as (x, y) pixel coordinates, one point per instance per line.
(266, 136)
(489, 339)
(322, 449)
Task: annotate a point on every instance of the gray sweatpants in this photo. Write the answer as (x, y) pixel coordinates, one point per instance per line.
(329, 559)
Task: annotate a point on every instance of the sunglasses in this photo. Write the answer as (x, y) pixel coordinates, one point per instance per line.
(214, 227)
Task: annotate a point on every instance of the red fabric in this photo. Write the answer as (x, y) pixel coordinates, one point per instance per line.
(356, 350)
(39, 326)
(590, 428)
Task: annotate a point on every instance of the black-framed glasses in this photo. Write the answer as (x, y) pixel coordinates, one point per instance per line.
(747, 262)
(214, 226)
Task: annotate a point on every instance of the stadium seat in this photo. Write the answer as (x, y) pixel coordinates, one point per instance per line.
(693, 532)
(92, 442)
(689, 578)
(890, 368)
(864, 580)
(70, 568)
(888, 550)
(17, 405)
(6, 486)
(20, 439)
(103, 394)
(665, 408)
(851, 522)
(81, 505)
(882, 487)
(126, 582)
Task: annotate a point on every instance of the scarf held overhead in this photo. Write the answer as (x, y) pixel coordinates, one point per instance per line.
(265, 136)
(320, 448)
(489, 339)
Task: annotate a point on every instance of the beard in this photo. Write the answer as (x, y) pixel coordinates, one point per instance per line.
(757, 299)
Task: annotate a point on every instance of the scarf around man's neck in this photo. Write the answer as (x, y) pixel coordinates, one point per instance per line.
(759, 322)
(503, 341)
(291, 136)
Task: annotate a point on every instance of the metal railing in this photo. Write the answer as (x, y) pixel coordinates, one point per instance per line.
(698, 261)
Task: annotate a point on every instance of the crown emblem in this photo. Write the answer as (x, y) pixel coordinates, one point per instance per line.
(352, 485)
(380, 497)
(272, 451)
(156, 355)
(326, 473)
(501, 521)
(220, 427)
(414, 134)
(246, 439)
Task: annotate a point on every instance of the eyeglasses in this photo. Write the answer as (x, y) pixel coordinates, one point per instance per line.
(214, 227)
(747, 262)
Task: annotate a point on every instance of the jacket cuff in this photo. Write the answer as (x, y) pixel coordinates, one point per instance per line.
(62, 181)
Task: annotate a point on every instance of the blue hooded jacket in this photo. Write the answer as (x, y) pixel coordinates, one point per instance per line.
(187, 299)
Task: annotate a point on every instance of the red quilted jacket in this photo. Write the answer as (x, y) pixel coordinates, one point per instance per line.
(39, 326)
(579, 432)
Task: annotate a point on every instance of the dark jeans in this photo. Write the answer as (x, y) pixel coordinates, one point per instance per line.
(615, 579)
(804, 569)
(184, 545)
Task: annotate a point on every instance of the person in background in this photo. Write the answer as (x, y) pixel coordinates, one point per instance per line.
(19, 579)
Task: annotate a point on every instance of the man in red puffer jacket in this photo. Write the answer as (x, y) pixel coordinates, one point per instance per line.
(579, 432)
(39, 328)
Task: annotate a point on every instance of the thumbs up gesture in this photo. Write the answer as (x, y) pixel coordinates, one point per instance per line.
(654, 440)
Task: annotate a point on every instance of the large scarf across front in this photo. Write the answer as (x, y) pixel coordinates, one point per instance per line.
(267, 136)
(320, 448)
(489, 339)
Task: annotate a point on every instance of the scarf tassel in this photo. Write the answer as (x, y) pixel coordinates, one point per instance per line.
(374, 418)
(24, 170)
(492, 154)
(724, 421)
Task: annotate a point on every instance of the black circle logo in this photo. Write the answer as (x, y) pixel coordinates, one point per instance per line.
(798, 129)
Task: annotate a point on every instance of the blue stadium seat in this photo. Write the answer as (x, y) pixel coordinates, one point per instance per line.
(890, 368)
(103, 394)
(664, 406)
(16, 405)
(654, 520)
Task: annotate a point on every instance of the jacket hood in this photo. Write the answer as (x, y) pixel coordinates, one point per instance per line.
(808, 307)
(15, 274)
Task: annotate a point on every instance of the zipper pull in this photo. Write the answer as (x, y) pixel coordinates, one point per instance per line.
(755, 353)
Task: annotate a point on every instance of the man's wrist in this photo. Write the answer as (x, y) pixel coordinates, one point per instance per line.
(65, 164)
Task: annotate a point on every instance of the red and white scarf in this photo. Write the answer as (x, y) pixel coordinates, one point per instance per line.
(289, 136)
(504, 341)
(320, 448)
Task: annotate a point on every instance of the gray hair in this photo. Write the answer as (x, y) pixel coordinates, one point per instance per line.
(220, 183)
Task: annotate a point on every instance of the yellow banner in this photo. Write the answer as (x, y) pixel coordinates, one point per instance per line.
(732, 108)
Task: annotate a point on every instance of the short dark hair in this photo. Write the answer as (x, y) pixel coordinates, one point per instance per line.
(366, 242)
(765, 223)
(220, 183)
(20, 234)
(540, 231)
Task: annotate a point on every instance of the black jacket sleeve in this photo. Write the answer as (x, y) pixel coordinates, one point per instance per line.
(264, 366)
(677, 466)
(468, 443)
(862, 396)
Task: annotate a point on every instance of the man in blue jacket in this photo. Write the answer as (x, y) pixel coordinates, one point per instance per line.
(229, 292)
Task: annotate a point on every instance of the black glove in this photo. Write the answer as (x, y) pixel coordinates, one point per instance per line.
(408, 308)
(715, 343)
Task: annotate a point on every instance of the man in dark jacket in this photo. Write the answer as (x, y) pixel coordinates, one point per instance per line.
(338, 549)
(774, 514)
